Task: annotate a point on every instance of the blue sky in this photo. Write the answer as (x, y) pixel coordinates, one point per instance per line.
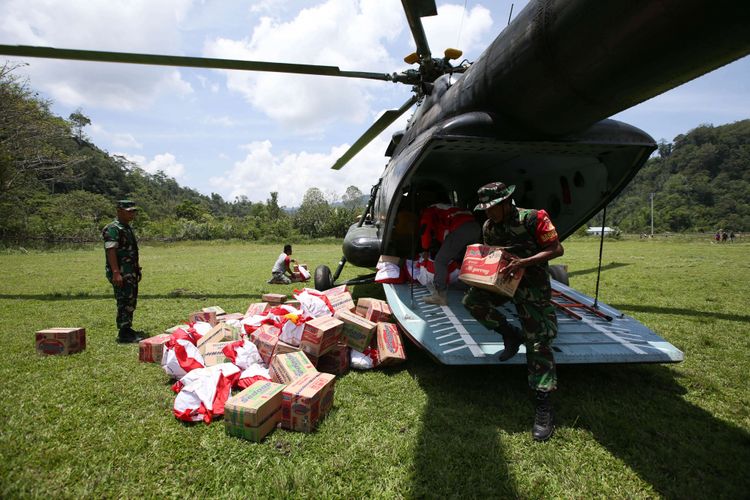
(249, 134)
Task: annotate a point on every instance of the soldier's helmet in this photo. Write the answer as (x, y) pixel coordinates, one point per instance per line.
(493, 193)
(128, 205)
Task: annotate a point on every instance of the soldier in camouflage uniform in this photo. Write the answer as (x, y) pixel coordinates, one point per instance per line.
(531, 239)
(122, 268)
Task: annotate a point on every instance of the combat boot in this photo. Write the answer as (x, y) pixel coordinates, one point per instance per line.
(544, 418)
(126, 335)
(512, 340)
(438, 297)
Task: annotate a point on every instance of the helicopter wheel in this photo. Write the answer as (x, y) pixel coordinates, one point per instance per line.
(558, 273)
(323, 278)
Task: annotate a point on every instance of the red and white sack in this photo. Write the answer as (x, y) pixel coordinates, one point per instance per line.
(360, 361)
(205, 392)
(314, 303)
(304, 272)
(180, 355)
(292, 328)
(253, 374)
(388, 272)
(243, 353)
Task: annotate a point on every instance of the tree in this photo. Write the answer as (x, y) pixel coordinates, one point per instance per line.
(352, 197)
(313, 213)
(79, 121)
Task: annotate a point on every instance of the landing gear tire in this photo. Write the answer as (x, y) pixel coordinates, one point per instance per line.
(560, 274)
(323, 278)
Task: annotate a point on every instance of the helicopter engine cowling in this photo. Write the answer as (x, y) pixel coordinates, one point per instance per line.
(362, 245)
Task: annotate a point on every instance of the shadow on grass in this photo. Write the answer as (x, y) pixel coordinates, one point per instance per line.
(637, 412)
(142, 296)
(607, 267)
(677, 311)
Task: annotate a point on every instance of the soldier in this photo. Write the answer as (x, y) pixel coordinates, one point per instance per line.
(531, 239)
(123, 271)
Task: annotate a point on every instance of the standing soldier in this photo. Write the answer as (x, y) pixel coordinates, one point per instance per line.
(123, 271)
(531, 239)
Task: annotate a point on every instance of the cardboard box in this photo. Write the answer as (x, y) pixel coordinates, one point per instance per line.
(335, 290)
(283, 348)
(274, 298)
(169, 331)
(218, 310)
(294, 303)
(265, 339)
(378, 311)
(363, 304)
(60, 341)
(219, 333)
(481, 268)
(257, 309)
(342, 302)
(214, 353)
(206, 317)
(151, 350)
(335, 361)
(306, 401)
(320, 335)
(357, 330)
(390, 345)
(227, 317)
(286, 368)
(254, 412)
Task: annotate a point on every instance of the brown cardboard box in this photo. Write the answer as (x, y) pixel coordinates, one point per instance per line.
(151, 350)
(218, 310)
(306, 401)
(254, 412)
(335, 361)
(285, 368)
(227, 317)
(283, 348)
(342, 302)
(481, 268)
(274, 298)
(335, 290)
(320, 335)
(60, 341)
(206, 317)
(390, 345)
(257, 309)
(219, 333)
(171, 330)
(265, 339)
(378, 311)
(214, 353)
(357, 330)
(363, 304)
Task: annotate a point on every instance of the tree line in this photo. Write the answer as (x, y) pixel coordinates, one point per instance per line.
(55, 185)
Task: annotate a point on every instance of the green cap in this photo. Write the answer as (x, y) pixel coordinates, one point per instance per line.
(492, 194)
(128, 205)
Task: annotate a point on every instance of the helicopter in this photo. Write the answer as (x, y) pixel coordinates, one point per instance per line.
(533, 111)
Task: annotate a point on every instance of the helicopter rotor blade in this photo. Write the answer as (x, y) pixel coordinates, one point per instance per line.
(414, 10)
(375, 129)
(182, 61)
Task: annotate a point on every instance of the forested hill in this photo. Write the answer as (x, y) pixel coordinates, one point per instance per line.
(701, 182)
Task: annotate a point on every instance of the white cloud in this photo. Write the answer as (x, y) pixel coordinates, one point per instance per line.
(446, 30)
(165, 162)
(118, 139)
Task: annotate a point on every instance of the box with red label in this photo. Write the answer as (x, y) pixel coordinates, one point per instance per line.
(342, 302)
(204, 316)
(151, 350)
(335, 290)
(283, 348)
(257, 309)
(218, 310)
(254, 412)
(378, 311)
(363, 304)
(357, 330)
(214, 353)
(274, 298)
(481, 268)
(219, 333)
(390, 345)
(320, 335)
(335, 361)
(227, 317)
(286, 368)
(60, 340)
(265, 339)
(306, 401)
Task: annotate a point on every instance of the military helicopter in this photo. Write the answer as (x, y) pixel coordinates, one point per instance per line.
(532, 111)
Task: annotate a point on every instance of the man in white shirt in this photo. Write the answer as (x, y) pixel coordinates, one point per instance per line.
(282, 274)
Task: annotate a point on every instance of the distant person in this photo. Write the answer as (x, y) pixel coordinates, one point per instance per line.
(717, 237)
(531, 239)
(281, 273)
(123, 269)
(724, 236)
(731, 236)
(445, 230)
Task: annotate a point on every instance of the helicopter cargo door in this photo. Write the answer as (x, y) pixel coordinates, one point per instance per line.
(452, 337)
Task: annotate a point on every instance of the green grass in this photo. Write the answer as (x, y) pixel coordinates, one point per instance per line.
(99, 424)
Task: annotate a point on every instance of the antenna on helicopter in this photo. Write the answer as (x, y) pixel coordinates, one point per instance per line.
(510, 14)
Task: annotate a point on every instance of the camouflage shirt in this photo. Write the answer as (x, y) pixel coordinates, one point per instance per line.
(121, 237)
(525, 233)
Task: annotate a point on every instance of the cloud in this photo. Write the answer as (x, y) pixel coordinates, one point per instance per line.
(122, 140)
(471, 35)
(165, 162)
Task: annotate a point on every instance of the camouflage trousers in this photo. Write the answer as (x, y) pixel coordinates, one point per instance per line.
(539, 325)
(127, 298)
(279, 279)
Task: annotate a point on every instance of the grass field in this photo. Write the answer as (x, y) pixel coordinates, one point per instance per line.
(99, 424)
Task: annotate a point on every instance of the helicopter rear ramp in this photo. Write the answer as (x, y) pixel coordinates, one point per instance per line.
(453, 337)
